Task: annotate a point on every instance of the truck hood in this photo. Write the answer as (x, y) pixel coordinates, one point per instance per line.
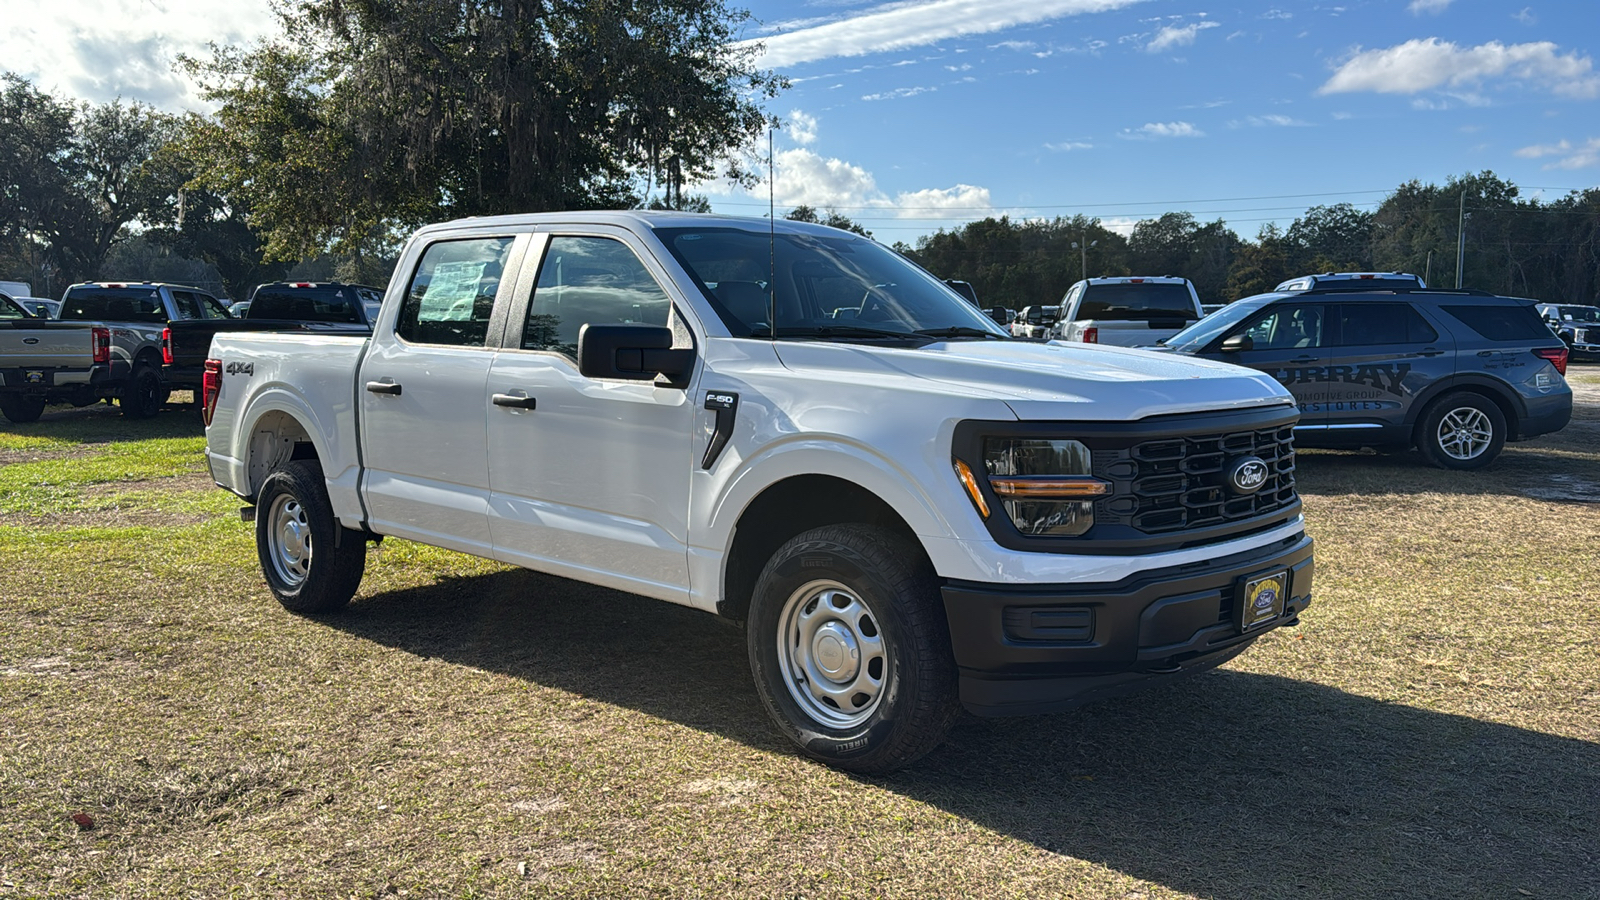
(1047, 381)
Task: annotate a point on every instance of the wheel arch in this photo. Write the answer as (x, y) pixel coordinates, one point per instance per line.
(789, 507)
(1503, 397)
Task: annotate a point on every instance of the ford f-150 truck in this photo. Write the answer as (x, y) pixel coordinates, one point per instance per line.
(791, 427)
(1127, 311)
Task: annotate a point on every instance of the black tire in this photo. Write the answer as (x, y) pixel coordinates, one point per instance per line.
(143, 396)
(311, 562)
(893, 620)
(1461, 431)
(22, 410)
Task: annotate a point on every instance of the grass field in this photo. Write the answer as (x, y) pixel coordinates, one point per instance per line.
(1432, 729)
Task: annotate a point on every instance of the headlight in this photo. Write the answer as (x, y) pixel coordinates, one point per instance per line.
(1045, 486)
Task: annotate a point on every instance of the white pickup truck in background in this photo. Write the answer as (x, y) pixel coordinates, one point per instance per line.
(791, 427)
(1131, 311)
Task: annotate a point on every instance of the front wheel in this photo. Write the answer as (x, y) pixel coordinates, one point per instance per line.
(1462, 431)
(850, 649)
(311, 562)
(20, 409)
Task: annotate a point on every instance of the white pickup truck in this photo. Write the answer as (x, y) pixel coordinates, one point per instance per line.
(794, 429)
(1128, 311)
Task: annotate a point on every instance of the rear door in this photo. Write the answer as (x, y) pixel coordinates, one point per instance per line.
(1289, 341)
(590, 478)
(421, 392)
(1386, 354)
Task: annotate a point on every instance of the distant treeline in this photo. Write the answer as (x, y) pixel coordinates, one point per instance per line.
(1544, 249)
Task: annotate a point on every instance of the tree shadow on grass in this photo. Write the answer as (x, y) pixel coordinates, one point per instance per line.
(102, 423)
(1231, 785)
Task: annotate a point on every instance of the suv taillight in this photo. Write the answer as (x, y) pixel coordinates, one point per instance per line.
(166, 346)
(1557, 358)
(1091, 335)
(102, 345)
(210, 389)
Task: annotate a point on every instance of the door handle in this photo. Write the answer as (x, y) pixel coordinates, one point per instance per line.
(384, 387)
(1304, 359)
(1430, 352)
(512, 401)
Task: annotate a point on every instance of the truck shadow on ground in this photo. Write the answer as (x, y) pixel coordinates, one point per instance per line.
(1232, 785)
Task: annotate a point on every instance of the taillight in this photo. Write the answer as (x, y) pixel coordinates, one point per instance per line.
(1091, 335)
(166, 346)
(210, 389)
(1557, 358)
(102, 345)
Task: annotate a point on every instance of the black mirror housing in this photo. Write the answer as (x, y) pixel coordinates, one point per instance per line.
(633, 353)
(1238, 343)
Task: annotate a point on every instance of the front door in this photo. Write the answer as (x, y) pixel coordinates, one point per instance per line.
(423, 406)
(1288, 342)
(590, 478)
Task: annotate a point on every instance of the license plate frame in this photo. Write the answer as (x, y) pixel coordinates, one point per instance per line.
(1260, 600)
(34, 376)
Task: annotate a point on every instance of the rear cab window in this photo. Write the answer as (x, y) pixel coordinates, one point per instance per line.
(124, 304)
(1137, 301)
(313, 303)
(450, 299)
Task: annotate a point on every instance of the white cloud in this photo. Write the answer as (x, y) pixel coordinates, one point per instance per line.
(898, 93)
(1579, 157)
(1418, 7)
(1122, 225)
(1174, 36)
(1065, 146)
(801, 127)
(1275, 121)
(804, 177)
(98, 50)
(1420, 65)
(1526, 16)
(1151, 130)
(1276, 14)
(914, 23)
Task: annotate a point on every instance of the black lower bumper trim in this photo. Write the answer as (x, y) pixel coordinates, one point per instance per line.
(1023, 649)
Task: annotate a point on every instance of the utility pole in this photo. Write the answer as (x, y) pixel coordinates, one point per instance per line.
(1461, 239)
(1083, 246)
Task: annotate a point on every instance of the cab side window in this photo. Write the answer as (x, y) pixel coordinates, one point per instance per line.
(451, 296)
(589, 280)
(186, 305)
(1369, 324)
(1287, 328)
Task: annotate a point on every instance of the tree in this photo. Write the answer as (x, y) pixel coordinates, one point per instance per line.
(371, 118)
(831, 218)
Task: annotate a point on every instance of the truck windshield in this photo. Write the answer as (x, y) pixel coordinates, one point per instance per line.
(1203, 332)
(113, 304)
(1580, 313)
(824, 288)
(1150, 300)
(322, 303)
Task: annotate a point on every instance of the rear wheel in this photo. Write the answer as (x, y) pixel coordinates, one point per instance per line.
(143, 396)
(22, 410)
(311, 562)
(1462, 431)
(850, 649)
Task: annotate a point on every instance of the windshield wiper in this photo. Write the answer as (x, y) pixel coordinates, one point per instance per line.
(960, 331)
(845, 331)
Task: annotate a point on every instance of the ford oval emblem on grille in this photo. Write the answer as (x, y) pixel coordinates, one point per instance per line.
(1247, 475)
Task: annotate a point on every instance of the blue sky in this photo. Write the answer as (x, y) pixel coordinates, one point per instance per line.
(920, 114)
(915, 115)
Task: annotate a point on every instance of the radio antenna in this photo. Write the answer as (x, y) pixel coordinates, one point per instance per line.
(772, 243)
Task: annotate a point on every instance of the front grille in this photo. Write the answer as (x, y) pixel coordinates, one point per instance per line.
(1179, 484)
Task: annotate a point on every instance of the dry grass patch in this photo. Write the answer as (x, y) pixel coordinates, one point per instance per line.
(466, 729)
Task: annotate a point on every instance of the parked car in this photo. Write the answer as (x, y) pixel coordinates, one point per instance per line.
(1353, 281)
(1034, 322)
(1133, 311)
(1577, 326)
(326, 302)
(907, 512)
(43, 361)
(1456, 374)
(42, 307)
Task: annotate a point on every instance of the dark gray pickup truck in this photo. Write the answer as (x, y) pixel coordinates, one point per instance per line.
(1455, 374)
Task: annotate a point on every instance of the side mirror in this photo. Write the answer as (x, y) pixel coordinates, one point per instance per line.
(1238, 343)
(633, 353)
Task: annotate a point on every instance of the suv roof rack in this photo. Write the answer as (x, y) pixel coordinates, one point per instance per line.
(1346, 292)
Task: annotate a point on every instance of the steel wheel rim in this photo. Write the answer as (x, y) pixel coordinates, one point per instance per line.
(1465, 433)
(832, 654)
(289, 540)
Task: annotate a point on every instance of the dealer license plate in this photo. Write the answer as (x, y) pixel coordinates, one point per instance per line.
(1261, 601)
(33, 376)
